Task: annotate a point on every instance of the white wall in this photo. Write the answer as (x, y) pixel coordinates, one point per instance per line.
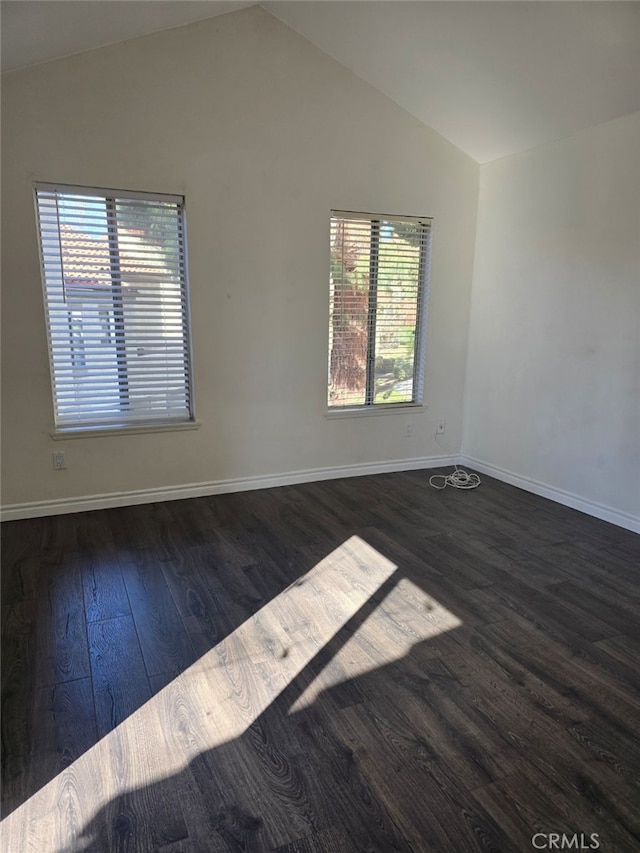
(263, 134)
(553, 378)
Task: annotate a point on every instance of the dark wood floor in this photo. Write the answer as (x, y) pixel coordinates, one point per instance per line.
(339, 667)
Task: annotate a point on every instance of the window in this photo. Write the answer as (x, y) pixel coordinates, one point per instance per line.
(378, 296)
(115, 288)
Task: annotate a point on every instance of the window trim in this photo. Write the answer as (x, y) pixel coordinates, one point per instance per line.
(67, 433)
(370, 407)
(62, 431)
(338, 412)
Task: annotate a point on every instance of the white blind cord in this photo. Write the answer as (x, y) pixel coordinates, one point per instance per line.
(459, 479)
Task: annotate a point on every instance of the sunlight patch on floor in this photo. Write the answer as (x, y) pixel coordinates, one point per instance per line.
(406, 616)
(225, 691)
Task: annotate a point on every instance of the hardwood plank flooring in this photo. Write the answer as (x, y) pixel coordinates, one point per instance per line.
(357, 666)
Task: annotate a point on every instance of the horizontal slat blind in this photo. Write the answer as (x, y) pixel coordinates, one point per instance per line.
(378, 289)
(114, 277)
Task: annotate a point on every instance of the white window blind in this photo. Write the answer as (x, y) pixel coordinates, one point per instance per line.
(378, 298)
(115, 289)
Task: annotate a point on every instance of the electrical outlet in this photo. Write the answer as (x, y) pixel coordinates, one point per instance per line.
(408, 430)
(440, 427)
(59, 460)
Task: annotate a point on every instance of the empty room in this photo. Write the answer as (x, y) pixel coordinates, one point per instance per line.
(320, 426)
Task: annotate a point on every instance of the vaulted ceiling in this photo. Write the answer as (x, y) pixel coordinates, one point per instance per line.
(494, 78)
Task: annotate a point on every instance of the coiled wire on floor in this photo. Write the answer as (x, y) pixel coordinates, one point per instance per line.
(458, 479)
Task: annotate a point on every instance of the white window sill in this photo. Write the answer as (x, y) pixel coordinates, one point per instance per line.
(66, 433)
(375, 411)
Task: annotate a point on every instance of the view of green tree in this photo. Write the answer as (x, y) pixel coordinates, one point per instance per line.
(396, 248)
(350, 249)
(155, 223)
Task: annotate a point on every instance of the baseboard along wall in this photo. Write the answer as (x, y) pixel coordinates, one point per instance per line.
(85, 503)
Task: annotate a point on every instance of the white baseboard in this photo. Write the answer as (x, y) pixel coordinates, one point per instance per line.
(84, 503)
(62, 506)
(606, 513)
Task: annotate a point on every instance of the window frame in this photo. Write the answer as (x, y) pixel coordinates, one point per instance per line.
(89, 426)
(369, 406)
